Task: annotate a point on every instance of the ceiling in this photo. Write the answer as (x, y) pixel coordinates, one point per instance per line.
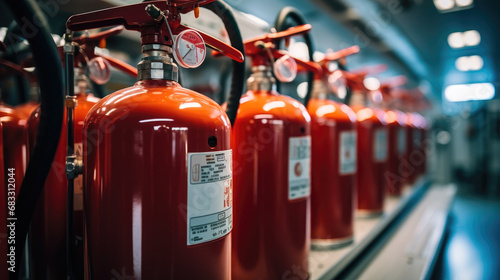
(409, 35)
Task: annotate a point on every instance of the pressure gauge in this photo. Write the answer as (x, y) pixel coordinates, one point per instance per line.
(189, 49)
(338, 84)
(99, 70)
(285, 69)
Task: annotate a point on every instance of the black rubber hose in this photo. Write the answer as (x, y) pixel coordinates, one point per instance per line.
(282, 24)
(47, 61)
(224, 11)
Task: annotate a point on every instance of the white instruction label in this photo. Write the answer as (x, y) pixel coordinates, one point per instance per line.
(347, 153)
(299, 167)
(210, 196)
(401, 141)
(380, 145)
(78, 183)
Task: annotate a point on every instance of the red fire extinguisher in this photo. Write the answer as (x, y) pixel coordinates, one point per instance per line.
(420, 104)
(333, 156)
(157, 158)
(271, 146)
(372, 147)
(396, 128)
(413, 157)
(48, 229)
(15, 139)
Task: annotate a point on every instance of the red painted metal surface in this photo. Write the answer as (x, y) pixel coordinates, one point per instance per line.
(136, 143)
(370, 176)
(48, 229)
(397, 133)
(27, 108)
(412, 152)
(271, 234)
(3, 216)
(424, 145)
(332, 193)
(15, 142)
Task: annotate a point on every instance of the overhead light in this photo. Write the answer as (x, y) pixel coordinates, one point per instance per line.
(469, 38)
(371, 83)
(469, 92)
(452, 5)
(464, 3)
(456, 40)
(469, 63)
(444, 4)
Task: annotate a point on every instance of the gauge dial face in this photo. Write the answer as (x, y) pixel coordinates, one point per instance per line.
(99, 70)
(338, 84)
(189, 49)
(285, 69)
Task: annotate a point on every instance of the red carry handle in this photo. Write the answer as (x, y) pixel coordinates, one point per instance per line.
(146, 18)
(94, 39)
(251, 48)
(392, 83)
(87, 44)
(371, 70)
(334, 56)
(302, 66)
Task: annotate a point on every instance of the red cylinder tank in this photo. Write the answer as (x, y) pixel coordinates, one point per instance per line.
(15, 142)
(372, 152)
(333, 169)
(48, 229)
(412, 154)
(271, 139)
(272, 148)
(149, 153)
(396, 128)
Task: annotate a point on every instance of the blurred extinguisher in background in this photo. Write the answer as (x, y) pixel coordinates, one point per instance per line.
(397, 167)
(271, 145)
(333, 155)
(372, 145)
(48, 252)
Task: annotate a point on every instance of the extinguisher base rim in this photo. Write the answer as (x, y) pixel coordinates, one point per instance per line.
(329, 244)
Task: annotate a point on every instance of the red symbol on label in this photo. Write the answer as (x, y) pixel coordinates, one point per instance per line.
(347, 154)
(298, 169)
(227, 195)
(195, 172)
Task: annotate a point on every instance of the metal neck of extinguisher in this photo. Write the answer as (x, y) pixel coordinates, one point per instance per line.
(261, 79)
(157, 63)
(73, 164)
(319, 90)
(358, 98)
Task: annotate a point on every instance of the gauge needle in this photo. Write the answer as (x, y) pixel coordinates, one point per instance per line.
(191, 47)
(187, 53)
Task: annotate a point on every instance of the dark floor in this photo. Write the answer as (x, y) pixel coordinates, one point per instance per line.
(471, 248)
